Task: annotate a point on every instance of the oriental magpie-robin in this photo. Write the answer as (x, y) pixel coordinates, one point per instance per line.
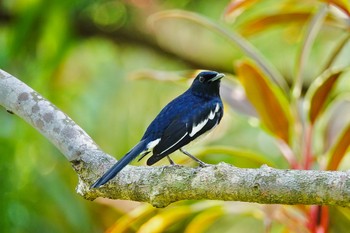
(190, 115)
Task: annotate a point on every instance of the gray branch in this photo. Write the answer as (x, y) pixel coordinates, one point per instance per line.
(163, 185)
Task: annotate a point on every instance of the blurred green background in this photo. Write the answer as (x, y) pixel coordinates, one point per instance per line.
(98, 61)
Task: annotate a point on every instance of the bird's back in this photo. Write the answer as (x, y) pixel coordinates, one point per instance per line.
(179, 107)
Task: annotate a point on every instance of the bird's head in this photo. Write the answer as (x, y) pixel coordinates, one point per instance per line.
(207, 83)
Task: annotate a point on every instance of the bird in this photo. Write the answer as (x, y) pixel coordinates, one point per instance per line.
(190, 115)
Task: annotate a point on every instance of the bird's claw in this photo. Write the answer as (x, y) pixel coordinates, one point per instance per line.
(202, 164)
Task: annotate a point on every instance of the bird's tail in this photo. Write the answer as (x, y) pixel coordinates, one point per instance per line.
(113, 171)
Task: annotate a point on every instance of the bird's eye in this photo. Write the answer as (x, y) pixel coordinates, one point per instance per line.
(201, 79)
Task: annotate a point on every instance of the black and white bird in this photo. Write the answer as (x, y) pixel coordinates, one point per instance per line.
(190, 115)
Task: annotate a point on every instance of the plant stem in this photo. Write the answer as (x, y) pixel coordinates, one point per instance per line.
(308, 147)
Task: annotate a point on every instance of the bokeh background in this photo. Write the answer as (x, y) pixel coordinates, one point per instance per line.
(112, 65)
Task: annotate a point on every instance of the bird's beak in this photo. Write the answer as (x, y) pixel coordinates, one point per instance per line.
(217, 77)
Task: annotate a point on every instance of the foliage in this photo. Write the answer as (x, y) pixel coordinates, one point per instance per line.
(286, 65)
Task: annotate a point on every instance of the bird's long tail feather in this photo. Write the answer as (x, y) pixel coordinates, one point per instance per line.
(113, 171)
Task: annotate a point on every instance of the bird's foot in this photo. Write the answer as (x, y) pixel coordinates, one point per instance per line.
(200, 162)
(203, 164)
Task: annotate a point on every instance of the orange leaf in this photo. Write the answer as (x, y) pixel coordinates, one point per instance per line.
(339, 149)
(265, 22)
(319, 93)
(268, 100)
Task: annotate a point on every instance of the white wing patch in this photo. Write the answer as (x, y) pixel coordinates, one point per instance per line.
(217, 107)
(211, 115)
(196, 128)
(152, 144)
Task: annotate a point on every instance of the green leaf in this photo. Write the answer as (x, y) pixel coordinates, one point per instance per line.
(268, 100)
(319, 92)
(339, 219)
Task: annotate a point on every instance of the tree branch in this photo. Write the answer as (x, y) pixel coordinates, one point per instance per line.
(163, 185)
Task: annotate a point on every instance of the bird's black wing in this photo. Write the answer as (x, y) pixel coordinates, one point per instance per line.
(185, 128)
